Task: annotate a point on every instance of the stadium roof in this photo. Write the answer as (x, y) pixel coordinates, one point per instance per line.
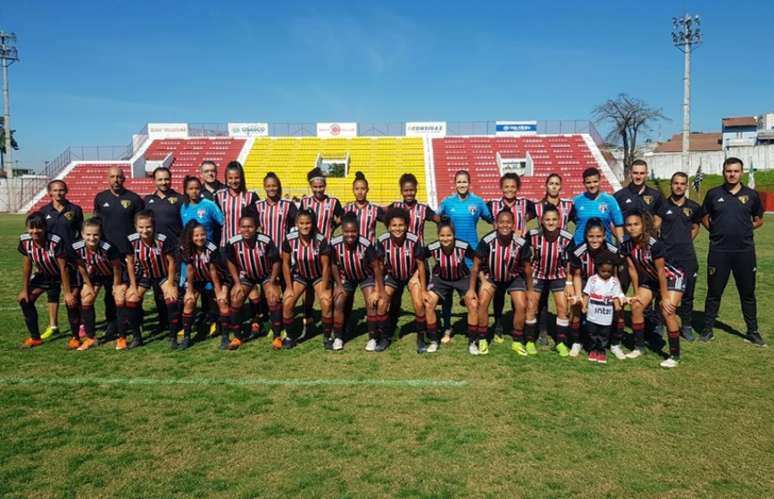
(698, 142)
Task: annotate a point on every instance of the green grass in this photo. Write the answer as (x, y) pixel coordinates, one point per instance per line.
(764, 182)
(211, 423)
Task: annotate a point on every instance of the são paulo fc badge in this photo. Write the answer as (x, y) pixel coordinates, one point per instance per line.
(472, 210)
(126, 203)
(687, 212)
(603, 207)
(201, 212)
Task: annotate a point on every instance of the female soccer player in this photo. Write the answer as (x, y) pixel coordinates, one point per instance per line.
(651, 273)
(234, 200)
(45, 252)
(564, 207)
(198, 208)
(203, 278)
(355, 263)
(549, 246)
(254, 266)
(276, 216)
(403, 256)
(582, 266)
(503, 259)
(100, 266)
(366, 212)
(419, 213)
(450, 273)
(306, 265)
(151, 264)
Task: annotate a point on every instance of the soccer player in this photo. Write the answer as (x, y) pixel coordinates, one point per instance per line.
(419, 213)
(602, 298)
(204, 276)
(450, 273)
(403, 257)
(327, 210)
(652, 274)
(151, 264)
(355, 263)
(549, 246)
(234, 201)
(522, 208)
(732, 212)
(45, 253)
(209, 173)
(306, 265)
(678, 219)
(552, 197)
(503, 259)
(100, 266)
(276, 216)
(596, 204)
(64, 219)
(366, 212)
(254, 266)
(200, 208)
(637, 196)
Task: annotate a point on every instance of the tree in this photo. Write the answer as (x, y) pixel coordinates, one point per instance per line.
(629, 117)
(14, 145)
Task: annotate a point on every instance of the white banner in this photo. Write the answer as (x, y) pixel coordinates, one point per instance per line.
(328, 130)
(248, 129)
(515, 128)
(167, 130)
(426, 128)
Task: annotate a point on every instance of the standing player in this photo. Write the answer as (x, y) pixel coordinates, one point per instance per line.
(678, 219)
(652, 275)
(355, 263)
(234, 201)
(731, 213)
(276, 216)
(552, 197)
(419, 213)
(522, 208)
(200, 208)
(366, 212)
(596, 204)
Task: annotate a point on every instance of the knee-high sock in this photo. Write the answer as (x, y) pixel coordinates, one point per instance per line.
(530, 329)
(639, 334)
(562, 326)
(287, 323)
(74, 318)
(518, 335)
(674, 344)
(473, 332)
(432, 331)
(134, 313)
(235, 325)
(89, 320)
(575, 330)
(123, 318)
(275, 314)
(173, 316)
(187, 324)
(618, 329)
(338, 329)
(382, 324)
(31, 319)
(253, 309)
(327, 326)
(371, 323)
(224, 322)
(421, 323)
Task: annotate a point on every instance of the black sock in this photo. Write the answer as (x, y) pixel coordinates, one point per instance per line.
(327, 326)
(134, 311)
(530, 330)
(338, 330)
(235, 325)
(31, 319)
(89, 320)
(674, 344)
(562, 327)
(74, 318)
(472, 332)
(173, 316)
(224, 322)
(432, 331)
(187, 324)
(275, 313)
(639, 334)
(371, 323)
(123, 321)
(518, 335)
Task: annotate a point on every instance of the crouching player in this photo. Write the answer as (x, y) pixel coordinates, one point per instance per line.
(151, 264)
(45, 253)
(355, 263)
(254, 266)
(100, 266)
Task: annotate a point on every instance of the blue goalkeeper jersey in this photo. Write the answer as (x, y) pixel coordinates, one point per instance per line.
(603, 206)
(464, 214)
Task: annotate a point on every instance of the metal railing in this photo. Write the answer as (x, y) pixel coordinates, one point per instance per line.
(86, 153)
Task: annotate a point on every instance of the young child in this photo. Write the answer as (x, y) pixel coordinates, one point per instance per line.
(602, 297)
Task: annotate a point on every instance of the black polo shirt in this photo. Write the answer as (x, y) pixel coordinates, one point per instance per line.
(166, 212)
(676, 224)
(730, 218)
(117, 214)
(67, 223)
(206, 193)
(630, 199)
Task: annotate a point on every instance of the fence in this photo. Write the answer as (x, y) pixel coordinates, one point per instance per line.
(16, 192)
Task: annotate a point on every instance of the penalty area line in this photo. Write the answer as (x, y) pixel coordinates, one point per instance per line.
(78, 381)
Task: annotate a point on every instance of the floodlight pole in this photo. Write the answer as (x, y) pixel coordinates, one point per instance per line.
(686, 34)
(8, 55)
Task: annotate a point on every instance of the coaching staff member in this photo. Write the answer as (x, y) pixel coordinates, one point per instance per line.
(165, 204)
(638, 197)
(732, 212)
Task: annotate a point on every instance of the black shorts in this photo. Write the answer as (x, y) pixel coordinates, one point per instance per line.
(350, 286)
(516, 284)
(675, 281)
(554, 285)
(51, 285)
(106, 281)
(444, 288)
(395, 283)
(250, 282)
(150, 282)
(306, 281)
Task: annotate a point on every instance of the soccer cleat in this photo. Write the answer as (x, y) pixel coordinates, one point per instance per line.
(224, 342)
(543, 337)
(185, 343)
(707, 335)
(49, 332)
(288, 343)
(447, 337)
(592, 356)
(110, 331)
(180, 333)
(473, 348)
(518, 347)
(755, 338)
(86, 344)
(483, 346)
(618, 352)
(421, 347)
(328, 343)
(308, 322)
(30, 343)
(562, 349)
(498, 333)
(121, 343)
(670, 362)
(575, 350)
(213, 329)
(338, 345)
(601, 358)
(432, 347)
(81, 331)
(532, 348)
(276, 343)
(637, 352)
(687, 333)
(659, 330)
(381, 345)
(235, 344)
(136, 341)
(173, 344)
(371, 345)
(73, 344)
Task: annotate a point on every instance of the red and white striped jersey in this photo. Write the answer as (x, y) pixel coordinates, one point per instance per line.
(644, 258)
(253, 259)
(565, 207)
(276, 219)
(582, 257)
(326, 210)
(43, 256)
(305, 256)
(151, 258)
(522, 208)
(549, 256)
(233, 207)
(98, 262)
(450, 265)
(354, 262)
(367, 216)
(201, 260)
(419, 213)
(502, 260)
(400, 257)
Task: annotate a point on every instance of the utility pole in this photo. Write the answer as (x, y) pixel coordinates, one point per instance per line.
(8, 55)
(686, 34)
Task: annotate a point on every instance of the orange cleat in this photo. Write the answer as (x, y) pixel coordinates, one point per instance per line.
(86, 344)
(30, 343)
(121, 344)
(235, 344)
(276, 343)
(73, 344)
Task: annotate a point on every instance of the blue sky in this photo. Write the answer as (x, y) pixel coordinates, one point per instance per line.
(93, 73)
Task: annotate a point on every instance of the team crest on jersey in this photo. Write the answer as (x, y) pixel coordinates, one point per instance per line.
(69, 215)
(688, 212)
(172, 200)
(711, 270)
(743, 198)
(201, 212)
(126, 203)
(648, 199)
(603, 207)
(473, 210)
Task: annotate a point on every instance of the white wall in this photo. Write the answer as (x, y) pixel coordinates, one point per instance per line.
(17, 192)
(665, 164)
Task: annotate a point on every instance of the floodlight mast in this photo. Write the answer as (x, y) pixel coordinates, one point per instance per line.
(8, 55)
(686, 34)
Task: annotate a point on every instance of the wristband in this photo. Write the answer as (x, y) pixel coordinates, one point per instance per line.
(568, 283)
